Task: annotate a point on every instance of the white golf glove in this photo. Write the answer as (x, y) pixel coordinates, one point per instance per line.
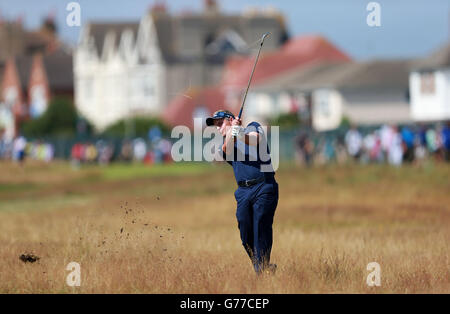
(237, 131)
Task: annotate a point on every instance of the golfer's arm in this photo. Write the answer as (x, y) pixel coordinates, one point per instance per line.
(252, 138)
(229, 141)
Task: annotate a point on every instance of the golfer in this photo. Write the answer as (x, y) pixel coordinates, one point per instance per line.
(246, 150)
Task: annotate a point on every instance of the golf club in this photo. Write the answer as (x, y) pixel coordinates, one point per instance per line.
(251, 75)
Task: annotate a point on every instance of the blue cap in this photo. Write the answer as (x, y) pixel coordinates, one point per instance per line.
(219, 115)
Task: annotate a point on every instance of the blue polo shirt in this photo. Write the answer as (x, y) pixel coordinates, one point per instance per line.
(251, 162)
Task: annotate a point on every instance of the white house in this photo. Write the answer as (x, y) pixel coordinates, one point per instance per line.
(117, 71)
(429, 83)
(130, 69)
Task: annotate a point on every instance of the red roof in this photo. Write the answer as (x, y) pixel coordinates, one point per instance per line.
(296, 52)
(194, 103)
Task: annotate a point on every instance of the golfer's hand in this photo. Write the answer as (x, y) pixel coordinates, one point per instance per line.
(236, 121)
(237, 131)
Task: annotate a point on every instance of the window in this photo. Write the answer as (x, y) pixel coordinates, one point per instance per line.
(11, 96)
(88, 88)
(38, 101)
(323, 106)
(427, 83)
(147, 86)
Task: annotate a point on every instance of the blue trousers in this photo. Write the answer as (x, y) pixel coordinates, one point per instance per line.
(256, 207)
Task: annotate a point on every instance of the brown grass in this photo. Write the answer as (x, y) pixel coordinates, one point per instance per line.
(179, 232)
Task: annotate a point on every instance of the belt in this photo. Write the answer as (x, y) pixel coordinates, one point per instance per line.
(248, 183)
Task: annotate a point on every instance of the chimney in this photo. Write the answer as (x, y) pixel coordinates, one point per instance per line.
(49, 25)
(211, 7)
(158, 8)
(19, 19)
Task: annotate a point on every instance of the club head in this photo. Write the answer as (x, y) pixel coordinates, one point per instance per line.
(264, 36)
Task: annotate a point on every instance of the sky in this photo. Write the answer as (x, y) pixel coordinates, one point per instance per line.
(409, 28)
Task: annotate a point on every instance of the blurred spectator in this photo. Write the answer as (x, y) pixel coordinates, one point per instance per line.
(422, 135)
(420, 151)
(341, 153)
(76, 155)
(39, 150)
(161, 151)
(376, 153)
(126, 153)
(154, 134)
(90, 153)
(408, 144)
(445, 134)
(5, 145)
(395, 150)
(353, 141)
(165, 147)
(319, 155)
(19, 146)
(369, 142)
(329, 150)
(304, 149)
(139, 149)
(105, 152)
(386, 135)
(431, 140)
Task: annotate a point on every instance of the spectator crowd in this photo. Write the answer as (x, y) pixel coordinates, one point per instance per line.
(136, 150)
(19, 148)
(154, 149)
(388, 144)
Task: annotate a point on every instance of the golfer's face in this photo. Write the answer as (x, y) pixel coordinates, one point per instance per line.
(221, 125)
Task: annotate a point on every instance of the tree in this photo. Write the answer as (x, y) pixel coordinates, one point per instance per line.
(345, 122)
(286, 120)
(60, 118)
(135, 127)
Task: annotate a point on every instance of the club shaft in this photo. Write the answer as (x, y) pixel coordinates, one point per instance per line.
(250, 80)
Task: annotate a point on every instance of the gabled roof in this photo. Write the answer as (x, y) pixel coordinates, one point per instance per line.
(57, 66)
(99, 31)
(59, 69)
(297, 78)
(2, 70)
(23, 66)
(438, 59)
(17, 41)
(370, 74)
(197, 27)
(169, 30)
(297, 52)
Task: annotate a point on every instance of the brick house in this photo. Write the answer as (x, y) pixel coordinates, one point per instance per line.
(29, 82)
(34, 66)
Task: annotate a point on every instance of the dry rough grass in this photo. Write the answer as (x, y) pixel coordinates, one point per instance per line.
(178, 234)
